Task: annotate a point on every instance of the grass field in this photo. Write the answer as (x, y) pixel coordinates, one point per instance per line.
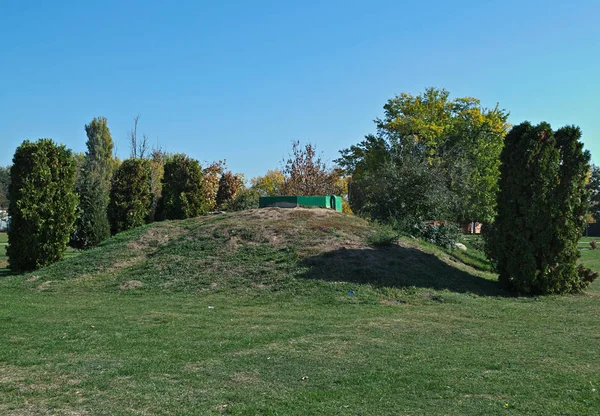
(295, 328)
(3, 243)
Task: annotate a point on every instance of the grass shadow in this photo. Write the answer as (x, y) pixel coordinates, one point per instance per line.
(5, 272)
(396, 266)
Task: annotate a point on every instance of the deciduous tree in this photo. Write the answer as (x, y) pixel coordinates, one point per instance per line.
(307, 174)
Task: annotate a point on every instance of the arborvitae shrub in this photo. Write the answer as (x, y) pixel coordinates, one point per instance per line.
(130, 195)
(93, 187)
(182, 189)
(92, 226)
(42, 204)
(229, 186)
(541, 210)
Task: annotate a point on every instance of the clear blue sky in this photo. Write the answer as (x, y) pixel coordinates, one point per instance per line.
(241, 80)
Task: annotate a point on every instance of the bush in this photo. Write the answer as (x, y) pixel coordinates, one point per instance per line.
(404, 189)
(182, 191)
(385, 235)
(91, 226)
(93, 187)
(130, 195)
(541, 210)
(443, 235)
(246, 199)
(229, 186)
(42, 204)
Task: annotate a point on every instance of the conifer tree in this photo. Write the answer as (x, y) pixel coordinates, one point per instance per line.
(42, 204)
(541, 210)
(182, 190)
(93, 187)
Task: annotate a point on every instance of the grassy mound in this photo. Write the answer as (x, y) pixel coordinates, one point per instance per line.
(276, 252)
(289, 312)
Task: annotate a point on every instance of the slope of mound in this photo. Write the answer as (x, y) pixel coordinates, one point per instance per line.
(280, 252)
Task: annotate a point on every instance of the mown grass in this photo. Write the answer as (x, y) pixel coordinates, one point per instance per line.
(3, 259)
(307, 319)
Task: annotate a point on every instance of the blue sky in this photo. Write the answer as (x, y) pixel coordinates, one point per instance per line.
(240, 80)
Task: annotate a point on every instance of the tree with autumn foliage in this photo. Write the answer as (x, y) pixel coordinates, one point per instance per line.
(307, 174)
(211, 176)
(229, 186)
(458, 140)
(270, 184)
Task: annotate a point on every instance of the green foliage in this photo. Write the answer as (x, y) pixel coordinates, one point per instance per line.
(541, 210)
(92, 225)
(403, 189)
(443, 235)
(384, 235)
(246, 199)
(4, 182)
(157, 171)
(93, 187)
(182, 191)
(42, 204)
(130, 195)
(100, 144)
(457, 137)
(593, 187)
(229, 186)
(269, 185)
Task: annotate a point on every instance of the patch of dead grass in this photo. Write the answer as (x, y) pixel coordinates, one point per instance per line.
(131, 285)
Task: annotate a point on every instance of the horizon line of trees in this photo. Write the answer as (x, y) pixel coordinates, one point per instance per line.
(431, 158)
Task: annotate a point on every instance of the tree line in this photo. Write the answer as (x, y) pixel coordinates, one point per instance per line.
(431, 158)
(57, 198)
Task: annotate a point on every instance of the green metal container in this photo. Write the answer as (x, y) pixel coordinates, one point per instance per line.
(325, 201)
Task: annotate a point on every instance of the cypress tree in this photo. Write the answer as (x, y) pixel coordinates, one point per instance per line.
(93, 187)
(541, 210)
(42, 204)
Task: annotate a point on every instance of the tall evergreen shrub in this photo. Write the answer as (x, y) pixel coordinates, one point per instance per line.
(93, 187)
(42, 204)
(130, 195)
(183, 194)
(541, 210)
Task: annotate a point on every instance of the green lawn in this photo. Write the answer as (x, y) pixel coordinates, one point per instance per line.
(3, 243)
(288, 334)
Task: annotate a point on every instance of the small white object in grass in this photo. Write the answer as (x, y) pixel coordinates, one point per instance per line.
(211, 307)
(460, 246)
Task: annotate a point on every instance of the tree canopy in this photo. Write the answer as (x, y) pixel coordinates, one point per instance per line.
(459, 137)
